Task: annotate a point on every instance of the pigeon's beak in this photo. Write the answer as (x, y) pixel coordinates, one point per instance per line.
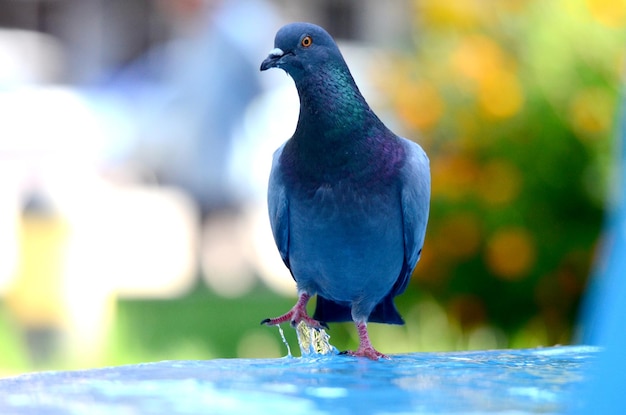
(272, 59)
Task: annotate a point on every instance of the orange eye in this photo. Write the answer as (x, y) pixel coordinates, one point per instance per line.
(306, 41)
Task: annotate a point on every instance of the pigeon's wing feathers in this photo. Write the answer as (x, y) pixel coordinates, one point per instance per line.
(415, 197)
(414, 177)
(278, 206)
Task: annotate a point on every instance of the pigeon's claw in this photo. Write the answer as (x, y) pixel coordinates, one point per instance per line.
(368, 352)
(318, 325)
(365, 346)
(294, 318)
(297, 314)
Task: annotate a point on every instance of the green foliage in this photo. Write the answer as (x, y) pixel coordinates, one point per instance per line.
(199, 325)
(513, 101)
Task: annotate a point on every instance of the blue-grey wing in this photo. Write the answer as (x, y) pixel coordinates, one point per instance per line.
(415, 202)
(278, 207)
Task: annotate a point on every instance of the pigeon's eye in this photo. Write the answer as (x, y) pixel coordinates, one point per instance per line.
(306, 41)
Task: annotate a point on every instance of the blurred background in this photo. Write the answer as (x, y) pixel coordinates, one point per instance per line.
(136, 138)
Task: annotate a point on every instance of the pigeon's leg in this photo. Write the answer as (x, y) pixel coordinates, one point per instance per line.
(297, 314)
(365, 346)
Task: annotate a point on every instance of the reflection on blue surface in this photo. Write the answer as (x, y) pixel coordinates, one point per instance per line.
(496, 382)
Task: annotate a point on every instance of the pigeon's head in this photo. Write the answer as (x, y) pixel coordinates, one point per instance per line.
(300, 48)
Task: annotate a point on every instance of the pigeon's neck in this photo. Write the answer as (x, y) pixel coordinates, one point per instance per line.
(332, 110)
(337, 134)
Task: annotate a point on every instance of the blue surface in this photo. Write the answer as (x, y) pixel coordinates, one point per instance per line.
(545, 381)
(604, 317)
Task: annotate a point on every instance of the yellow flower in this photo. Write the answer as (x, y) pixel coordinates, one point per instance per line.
(591, 111)
(453, 175)
(482, 61)
(611, 13)
(459, 236)
(419, 105)
(500, 182)
(454, 13)
(511, 253)
(500, 96)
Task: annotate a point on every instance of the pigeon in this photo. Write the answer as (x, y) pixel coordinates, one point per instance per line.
(348, 199)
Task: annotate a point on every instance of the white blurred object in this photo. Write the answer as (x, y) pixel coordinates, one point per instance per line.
(121, 241)
(42, 126)
(226, 247)
(237, 248)
(266, 258)
(9, 219)
(48, 139)
(29, 57)
(131, 242)
(134, 241)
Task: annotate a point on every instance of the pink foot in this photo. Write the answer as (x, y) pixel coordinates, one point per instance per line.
(365, 346)
(296, 315)
(368, 352)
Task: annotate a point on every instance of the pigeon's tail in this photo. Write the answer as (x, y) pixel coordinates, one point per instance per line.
(386, 312)
(329, 311)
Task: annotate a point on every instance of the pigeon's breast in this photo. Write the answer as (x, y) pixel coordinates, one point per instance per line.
(346, 238)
